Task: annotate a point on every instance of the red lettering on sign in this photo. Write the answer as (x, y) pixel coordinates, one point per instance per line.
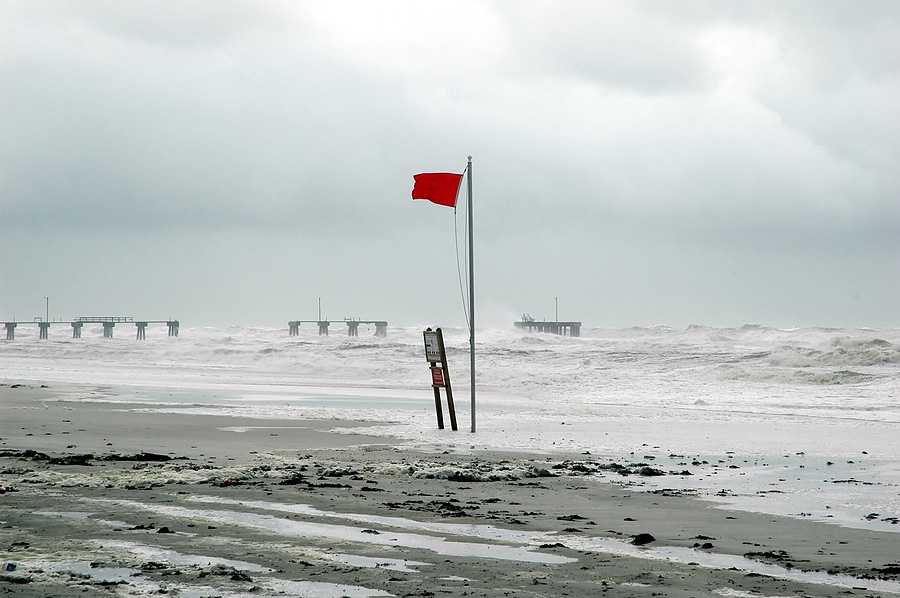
(437, 377)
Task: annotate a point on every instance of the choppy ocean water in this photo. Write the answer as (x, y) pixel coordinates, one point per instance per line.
(803, 422)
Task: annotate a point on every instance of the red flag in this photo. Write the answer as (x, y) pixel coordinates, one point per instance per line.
(438, 187)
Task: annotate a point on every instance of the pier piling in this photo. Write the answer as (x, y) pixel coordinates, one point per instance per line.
(108, 322)
(352, 326)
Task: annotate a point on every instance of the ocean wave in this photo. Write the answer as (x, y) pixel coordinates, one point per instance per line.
(804, 376)
(840, 351)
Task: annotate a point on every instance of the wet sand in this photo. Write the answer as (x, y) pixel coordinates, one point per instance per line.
(103, 498)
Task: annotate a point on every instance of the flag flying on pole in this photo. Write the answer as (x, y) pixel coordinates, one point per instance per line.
(442, 188)
(437, 187)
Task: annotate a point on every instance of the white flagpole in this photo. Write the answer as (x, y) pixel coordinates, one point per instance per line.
(471, 294)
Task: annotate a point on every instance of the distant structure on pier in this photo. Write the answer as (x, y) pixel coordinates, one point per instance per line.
(108, 322)
(561, 328)
(352, 326)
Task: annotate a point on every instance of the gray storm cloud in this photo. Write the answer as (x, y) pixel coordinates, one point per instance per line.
(656, 162)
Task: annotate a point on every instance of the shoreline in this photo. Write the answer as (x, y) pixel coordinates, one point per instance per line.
(284, 505)
(811, 468)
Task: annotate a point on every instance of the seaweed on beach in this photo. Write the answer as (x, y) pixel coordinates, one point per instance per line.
(589, 468)
(16, 579)
(85, 459)
(650, 472)
(225, 571)
(294, 479)
(776, 556)
(142, 457)
(892, 569)
(467, 475)
(338, 472)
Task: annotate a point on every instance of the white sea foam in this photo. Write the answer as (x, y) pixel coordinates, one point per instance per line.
(761, 393)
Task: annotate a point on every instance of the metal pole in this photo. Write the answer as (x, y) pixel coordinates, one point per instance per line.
(48, 309)
(557, 309)
(471, 293)
(320, 309)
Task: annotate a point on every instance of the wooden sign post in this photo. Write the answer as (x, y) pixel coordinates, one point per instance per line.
(440, 374)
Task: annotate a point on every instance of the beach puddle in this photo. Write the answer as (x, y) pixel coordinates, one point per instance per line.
(88, 572)
(350, 533)
(480, 531)
(277, 587)
(313, 589)
(729, 593)
(494, 543)
(114, 523)
(356, 560)
(138, 584)
(726, 561)
(86, 569)
(795, 486)
(610, 546)
(242, 429)
(65, 514)
(173, 557)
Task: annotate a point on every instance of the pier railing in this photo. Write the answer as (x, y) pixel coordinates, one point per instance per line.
(103, 319)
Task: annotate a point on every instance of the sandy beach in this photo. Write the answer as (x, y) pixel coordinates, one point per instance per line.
(105, 498)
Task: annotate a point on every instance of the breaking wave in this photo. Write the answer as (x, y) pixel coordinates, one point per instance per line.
(840, 351)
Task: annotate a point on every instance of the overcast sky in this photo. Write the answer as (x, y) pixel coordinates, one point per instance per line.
(646, 163)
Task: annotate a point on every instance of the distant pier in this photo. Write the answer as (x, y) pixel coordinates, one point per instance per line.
(352, 326)
(561, 328)
(108, 322)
